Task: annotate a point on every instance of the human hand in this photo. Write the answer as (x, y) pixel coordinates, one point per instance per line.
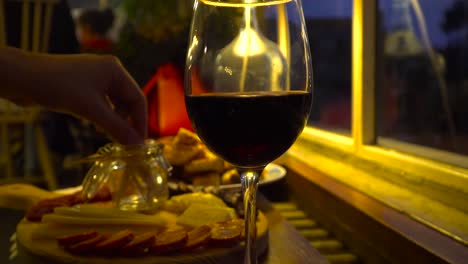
(93, 87)
(99, 89)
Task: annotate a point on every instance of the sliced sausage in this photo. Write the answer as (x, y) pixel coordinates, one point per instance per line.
(47, 206)
(35, 213)
(169, 241)
(115, 241)
(76, 238)
(86, 246)
(140, 244)
(198, 237)
(225, 234)
(104, 194)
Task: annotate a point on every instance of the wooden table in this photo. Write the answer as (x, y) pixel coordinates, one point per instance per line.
(286, 245)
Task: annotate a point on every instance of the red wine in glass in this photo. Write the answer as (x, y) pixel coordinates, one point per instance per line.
(249, 129)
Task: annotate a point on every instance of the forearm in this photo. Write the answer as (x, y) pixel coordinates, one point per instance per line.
(18, 75)
(33, 78)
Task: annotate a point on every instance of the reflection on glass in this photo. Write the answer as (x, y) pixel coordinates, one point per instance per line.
(329, 28)
(423, 73)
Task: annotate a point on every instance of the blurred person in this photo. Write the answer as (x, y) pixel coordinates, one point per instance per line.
(93, 26)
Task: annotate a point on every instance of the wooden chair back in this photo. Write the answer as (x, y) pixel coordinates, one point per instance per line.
(34, 38)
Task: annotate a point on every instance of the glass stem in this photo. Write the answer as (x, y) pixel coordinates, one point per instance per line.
(249, 179)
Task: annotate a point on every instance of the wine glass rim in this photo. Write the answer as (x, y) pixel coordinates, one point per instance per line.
(246, 3)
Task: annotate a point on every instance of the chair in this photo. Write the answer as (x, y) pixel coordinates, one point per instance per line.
(34, 38)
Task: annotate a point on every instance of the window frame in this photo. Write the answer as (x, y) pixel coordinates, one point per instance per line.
(365, 144)
(363, 114)
(363, 140)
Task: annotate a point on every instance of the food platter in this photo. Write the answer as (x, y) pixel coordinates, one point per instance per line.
(36, 241)
(47, 250)
(210, 220)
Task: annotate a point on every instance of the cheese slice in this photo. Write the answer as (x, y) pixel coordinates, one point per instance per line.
(85, 210)
(152, 220)
(204, 214)
(199, 198)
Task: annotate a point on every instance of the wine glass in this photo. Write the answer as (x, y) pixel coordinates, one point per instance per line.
(248, 86)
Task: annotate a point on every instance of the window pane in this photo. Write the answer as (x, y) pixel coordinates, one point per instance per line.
(423, 95)
(329, 29)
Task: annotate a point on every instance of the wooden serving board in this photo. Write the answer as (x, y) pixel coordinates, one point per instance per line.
(48, 251)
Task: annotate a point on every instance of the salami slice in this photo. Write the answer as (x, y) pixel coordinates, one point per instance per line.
(169, 241)
(104, 194)
(35, 213)
(115, 241)
(76, 238)
(225, 234)
(47, 206)
(85, 246)
(140, 244)
(198, 237)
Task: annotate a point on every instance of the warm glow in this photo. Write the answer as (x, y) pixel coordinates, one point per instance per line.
(250, 174)
(357, 82)
(192, 46)
(284, 38)
(159, 180)
(248, 43)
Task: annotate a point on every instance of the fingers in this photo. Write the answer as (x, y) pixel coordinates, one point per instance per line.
(85, 84)
(128, 98)
(113, 124)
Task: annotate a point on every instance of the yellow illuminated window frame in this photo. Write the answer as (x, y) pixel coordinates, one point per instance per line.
(363, 140)
(430, 179)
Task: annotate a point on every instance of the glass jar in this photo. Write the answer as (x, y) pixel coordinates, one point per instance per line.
(135, 174)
